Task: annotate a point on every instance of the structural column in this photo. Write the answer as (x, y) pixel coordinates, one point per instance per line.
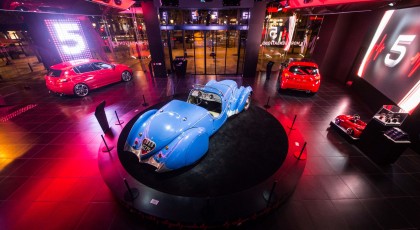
(151, 19)
(254, 38)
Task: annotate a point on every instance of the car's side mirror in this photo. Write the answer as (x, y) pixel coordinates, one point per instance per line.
(113, 66)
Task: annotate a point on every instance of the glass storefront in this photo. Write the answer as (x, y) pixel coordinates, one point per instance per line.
(117, 38)
(275, 36)
(212, 42)
(189, 34)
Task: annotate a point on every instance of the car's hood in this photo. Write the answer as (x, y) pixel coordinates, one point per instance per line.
(170, 121)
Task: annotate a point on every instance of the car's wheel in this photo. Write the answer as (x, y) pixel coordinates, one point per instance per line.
(337, 121)
(247, 103)
(350, 131)
(81, 90)
(126, 76)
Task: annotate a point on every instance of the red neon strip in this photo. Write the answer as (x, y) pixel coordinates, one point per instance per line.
(416, 61)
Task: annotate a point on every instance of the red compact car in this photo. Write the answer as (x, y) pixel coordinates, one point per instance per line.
(300, 75)
(352, 125)
(79, 76)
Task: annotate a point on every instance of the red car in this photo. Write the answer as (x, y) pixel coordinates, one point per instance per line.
(352, 125)
(78, 77)
(300, 75)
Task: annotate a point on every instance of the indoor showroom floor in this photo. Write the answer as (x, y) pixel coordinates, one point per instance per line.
(49, 176)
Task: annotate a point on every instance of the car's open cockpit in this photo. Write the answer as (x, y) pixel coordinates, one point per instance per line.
(208, 100)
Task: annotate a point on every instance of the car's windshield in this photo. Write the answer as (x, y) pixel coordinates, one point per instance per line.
(210, 101)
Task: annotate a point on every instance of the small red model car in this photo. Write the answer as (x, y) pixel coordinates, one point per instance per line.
(352, 125)
(300, 75)
(78, 77)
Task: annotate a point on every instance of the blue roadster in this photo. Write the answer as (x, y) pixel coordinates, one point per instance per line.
(177, 135)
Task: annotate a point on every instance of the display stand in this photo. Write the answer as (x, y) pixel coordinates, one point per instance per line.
(379, 140)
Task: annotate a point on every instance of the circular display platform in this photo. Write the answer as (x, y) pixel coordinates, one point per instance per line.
(252, 166)
(247, 149)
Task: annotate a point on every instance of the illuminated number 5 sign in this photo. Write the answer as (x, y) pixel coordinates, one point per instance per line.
(69, 39)
(72, 42)
(398, 48)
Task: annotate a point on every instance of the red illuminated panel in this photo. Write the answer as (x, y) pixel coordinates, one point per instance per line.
(313, 3)
(119, 4)
(69, 39)
(272, 9)
(411, 100)
(391, 62)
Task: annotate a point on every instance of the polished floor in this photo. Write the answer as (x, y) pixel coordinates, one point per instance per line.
(49, 177)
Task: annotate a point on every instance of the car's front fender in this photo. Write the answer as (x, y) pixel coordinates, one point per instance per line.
(186, 149)
(138, 126)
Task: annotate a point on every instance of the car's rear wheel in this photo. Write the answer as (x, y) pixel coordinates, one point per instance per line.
(350, 131)
(81, 90)
(247, 103)
(126, 76)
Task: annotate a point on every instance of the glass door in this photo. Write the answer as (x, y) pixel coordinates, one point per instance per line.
(210, 52)
(199, 50)
(207, 51)
(221, 47)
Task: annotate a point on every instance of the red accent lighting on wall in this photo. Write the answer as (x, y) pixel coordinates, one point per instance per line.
(314, 3)
(391, 62)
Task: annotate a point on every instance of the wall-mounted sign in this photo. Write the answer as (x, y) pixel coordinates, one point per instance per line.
(391, 63)
(194, 15)
(245, 15)
(165, 16)
(68, 38)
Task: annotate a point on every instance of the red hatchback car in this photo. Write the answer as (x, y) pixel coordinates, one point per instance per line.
(300, 75)
(78, 77)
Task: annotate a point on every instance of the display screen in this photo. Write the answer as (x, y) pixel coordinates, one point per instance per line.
(391, 63)
(69, 39)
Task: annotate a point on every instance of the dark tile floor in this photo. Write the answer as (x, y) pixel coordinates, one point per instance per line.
(49, 177)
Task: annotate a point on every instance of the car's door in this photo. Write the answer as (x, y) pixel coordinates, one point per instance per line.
(221, 118)
(106, 72)
(85, 73)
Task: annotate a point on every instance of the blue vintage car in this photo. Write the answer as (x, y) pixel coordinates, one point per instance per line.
(177, 135)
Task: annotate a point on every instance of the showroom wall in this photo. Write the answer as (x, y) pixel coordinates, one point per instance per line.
(343, 40)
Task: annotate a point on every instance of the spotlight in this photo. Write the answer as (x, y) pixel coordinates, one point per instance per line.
(391, 4)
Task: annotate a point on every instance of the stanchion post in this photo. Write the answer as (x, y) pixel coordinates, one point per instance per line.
(293, 122)
(144, 100)
(267, 106)
(301, 151)
(118, 119)
(107, 148)
(128, 188)
(30, 67)
(271, 192)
